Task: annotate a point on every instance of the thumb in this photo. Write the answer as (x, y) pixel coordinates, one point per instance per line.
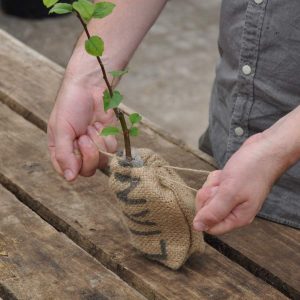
(216, 210)
(65, 153)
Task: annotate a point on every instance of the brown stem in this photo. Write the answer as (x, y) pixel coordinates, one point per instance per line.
(119, 114)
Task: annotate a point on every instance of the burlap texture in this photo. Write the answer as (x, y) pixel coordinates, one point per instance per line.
(158, 212)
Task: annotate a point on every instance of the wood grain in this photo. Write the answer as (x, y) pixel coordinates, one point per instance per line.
(37, 262)
(87, 213)
(33, 97)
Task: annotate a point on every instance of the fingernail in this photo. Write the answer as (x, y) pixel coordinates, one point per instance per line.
(199, 226)
(68, 174)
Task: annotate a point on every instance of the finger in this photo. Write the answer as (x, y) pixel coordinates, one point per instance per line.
(64, 150)
(54, 161)
(77, 152)
(215, 211)
(100, 144)
(51, 148)
(213, 179)
(207, 191)
(224, 226)
(238, 218)
(203, 196)
(110, 141)
(109, 118)
(90, 156)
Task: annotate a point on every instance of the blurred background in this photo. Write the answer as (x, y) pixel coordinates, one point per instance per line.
(173, 69)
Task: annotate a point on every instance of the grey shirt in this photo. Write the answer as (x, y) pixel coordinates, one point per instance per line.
(257, 83)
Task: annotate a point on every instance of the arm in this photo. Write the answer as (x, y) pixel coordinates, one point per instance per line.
(78, 114)
(232, 197)
(122, 33)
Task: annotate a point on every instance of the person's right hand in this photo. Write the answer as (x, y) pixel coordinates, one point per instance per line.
(77, 118)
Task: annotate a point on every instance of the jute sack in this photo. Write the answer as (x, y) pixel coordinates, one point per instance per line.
(158, 212)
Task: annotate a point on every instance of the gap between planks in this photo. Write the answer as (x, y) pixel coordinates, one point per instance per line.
(104, 258)
(6, 294)
(61, 226)
(251, 266)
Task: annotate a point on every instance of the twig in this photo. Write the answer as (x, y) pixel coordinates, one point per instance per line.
(119, 114)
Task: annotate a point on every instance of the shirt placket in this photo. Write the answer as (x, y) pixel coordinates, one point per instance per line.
(238, 130)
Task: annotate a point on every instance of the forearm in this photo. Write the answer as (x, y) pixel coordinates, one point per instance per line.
(122, 32)
(283, 140)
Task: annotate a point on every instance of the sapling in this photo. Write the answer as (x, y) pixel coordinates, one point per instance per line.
(85, 11)
(156, 204)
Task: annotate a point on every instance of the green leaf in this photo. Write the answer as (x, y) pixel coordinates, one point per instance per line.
(135, 118)
(118, 73)
(133, 131)
(49, 3)
(113, 102)
(61, 8)
(85, 8)
(94, 46)
(106, 100)
(110, 130)
(103, 9)
(116, 99)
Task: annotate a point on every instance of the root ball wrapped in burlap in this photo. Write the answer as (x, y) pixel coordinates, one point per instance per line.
(158, 212)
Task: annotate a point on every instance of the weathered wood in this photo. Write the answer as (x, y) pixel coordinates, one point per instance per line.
(33, 97)
(277, 249)
(88, 214)
(37, 262)
(24, 94)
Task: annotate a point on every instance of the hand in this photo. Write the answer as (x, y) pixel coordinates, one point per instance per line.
(78, 107)
(73, 128)
(230, 198)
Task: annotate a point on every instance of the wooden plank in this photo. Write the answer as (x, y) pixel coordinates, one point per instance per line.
(277, 249)
(13, 52)
(86, 212)
(34, 98)
(37, 262)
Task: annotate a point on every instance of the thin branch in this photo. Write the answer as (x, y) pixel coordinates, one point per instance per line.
(119, 114)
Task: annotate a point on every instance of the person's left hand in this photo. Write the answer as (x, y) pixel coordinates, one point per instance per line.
(230, 198)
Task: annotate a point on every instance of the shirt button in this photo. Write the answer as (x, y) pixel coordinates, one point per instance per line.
(258, 1)
(239, 131)
(246, 69)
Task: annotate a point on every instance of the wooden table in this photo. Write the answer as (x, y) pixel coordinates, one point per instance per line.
(67, 241)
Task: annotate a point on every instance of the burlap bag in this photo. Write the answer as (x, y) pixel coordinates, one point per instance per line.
(158, 212)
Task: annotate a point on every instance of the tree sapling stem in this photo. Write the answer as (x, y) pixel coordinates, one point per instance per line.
(119, 114)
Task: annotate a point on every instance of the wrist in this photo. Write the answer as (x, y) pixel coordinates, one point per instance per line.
(277, 156)
(84, 69)
(284, 137)
(266, 157)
